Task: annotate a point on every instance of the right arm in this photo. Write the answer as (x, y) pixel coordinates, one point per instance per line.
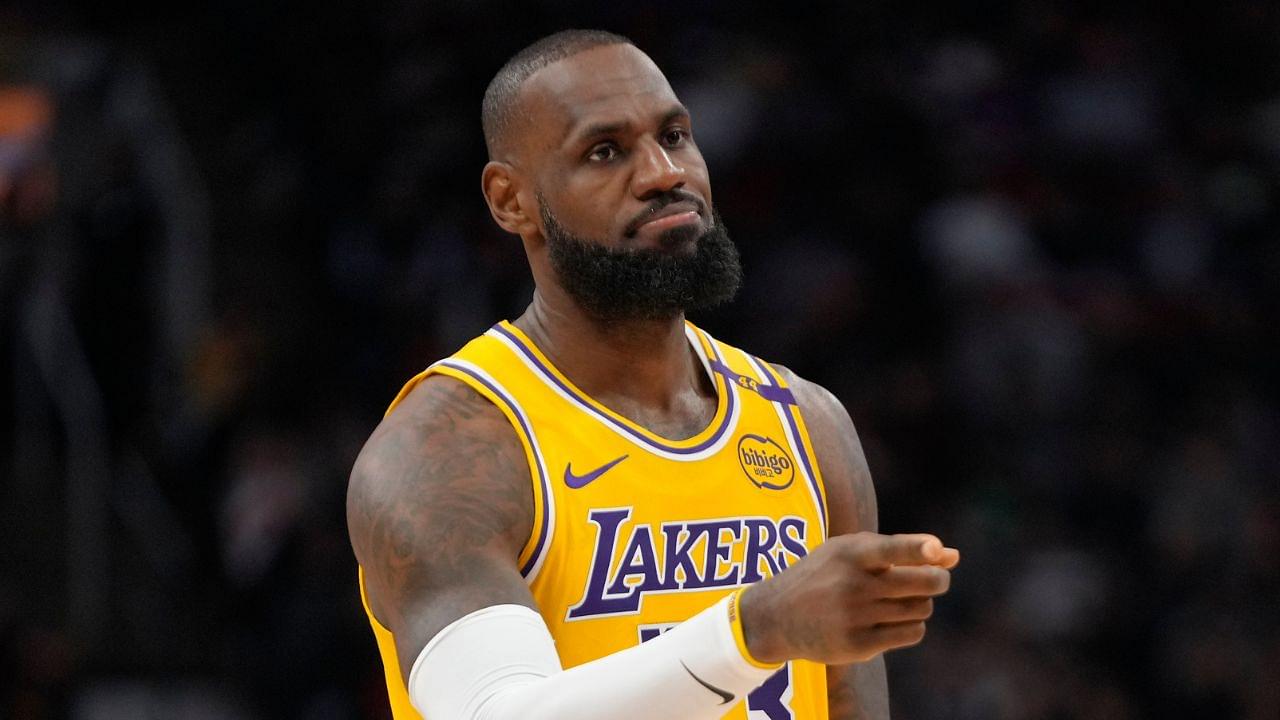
(438, 508)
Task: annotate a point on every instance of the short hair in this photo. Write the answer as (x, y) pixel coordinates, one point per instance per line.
(498, 110)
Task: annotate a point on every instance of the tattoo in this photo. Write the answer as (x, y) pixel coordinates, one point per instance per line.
(438, 508)
(856, 692)
(861, 690)
(851, 496)
(842, 703)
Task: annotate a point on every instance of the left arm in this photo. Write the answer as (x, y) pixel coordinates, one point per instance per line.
(858, 691)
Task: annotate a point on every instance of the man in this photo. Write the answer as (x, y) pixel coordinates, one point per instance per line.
(556, 521)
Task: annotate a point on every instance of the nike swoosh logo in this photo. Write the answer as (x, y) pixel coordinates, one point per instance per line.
(728, 696)
(580, 481)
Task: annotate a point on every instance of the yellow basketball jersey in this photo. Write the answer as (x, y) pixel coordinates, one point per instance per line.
(634, 533)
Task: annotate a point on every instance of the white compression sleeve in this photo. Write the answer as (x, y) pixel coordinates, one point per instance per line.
(500, 663)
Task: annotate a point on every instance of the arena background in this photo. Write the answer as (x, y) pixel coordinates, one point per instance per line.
(1032, 246)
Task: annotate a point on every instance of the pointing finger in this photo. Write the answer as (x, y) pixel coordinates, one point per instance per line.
(885, 551)
(949, 558)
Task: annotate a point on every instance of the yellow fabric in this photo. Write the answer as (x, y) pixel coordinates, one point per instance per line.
(625, 518)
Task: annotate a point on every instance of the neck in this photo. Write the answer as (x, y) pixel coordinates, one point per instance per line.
(645, 362)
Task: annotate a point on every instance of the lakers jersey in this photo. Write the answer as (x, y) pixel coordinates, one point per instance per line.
(633, 532)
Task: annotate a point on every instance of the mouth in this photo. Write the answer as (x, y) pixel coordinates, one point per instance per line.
(683, 212)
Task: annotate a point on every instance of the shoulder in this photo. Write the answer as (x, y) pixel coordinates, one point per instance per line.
(846, 477)
(439, 417)
(819, 405)
(443, 470)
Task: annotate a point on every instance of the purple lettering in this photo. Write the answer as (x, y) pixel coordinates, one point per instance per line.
(791, 535)
(762, 536)
(716, 551)
(594, 602)
(637, 561)
(677, 556)
(768, 546)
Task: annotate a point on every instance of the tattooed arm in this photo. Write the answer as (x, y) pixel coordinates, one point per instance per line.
(440, 505)
(859, 690)
(438, 508)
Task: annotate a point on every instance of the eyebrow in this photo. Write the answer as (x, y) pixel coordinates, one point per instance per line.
(598, 130)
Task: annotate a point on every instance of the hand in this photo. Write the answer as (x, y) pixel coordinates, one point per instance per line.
(851, 599)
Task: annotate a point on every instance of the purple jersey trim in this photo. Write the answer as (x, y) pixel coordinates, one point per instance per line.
(772, 393)
(542, 477)
(587, 404)
(767, 373)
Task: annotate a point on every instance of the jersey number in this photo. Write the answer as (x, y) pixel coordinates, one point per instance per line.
(772, 700)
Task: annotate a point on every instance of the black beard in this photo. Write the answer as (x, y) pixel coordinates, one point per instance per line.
(620, 285)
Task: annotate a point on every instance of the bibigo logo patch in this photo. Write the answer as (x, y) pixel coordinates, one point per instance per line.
(765, 462)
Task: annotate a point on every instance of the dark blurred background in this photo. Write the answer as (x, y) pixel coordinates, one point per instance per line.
(1032, 246)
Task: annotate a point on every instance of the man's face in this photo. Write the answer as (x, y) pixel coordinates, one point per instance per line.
(623, 193)
(610, 144)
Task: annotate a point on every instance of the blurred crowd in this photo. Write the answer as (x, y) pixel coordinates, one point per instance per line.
(1031, 246)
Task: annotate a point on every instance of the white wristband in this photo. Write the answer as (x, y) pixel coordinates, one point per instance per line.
(500, 663)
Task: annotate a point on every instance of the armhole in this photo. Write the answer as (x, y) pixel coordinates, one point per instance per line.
(793, 424)
(535, 548)
(397, 693)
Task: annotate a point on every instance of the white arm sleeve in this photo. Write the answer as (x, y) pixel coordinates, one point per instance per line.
(500, 663)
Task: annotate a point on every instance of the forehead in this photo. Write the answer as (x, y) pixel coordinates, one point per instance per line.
(604, 84)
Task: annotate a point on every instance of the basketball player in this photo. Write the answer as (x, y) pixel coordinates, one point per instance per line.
(598, 510)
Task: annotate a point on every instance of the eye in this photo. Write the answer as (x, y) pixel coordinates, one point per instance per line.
(604, 152)
(675, 136)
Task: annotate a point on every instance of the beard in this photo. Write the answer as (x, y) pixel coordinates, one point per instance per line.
(615, 285)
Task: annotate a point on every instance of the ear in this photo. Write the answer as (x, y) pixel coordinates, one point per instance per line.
(500, 184)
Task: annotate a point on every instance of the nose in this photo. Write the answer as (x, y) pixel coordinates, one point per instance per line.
(655, 171)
